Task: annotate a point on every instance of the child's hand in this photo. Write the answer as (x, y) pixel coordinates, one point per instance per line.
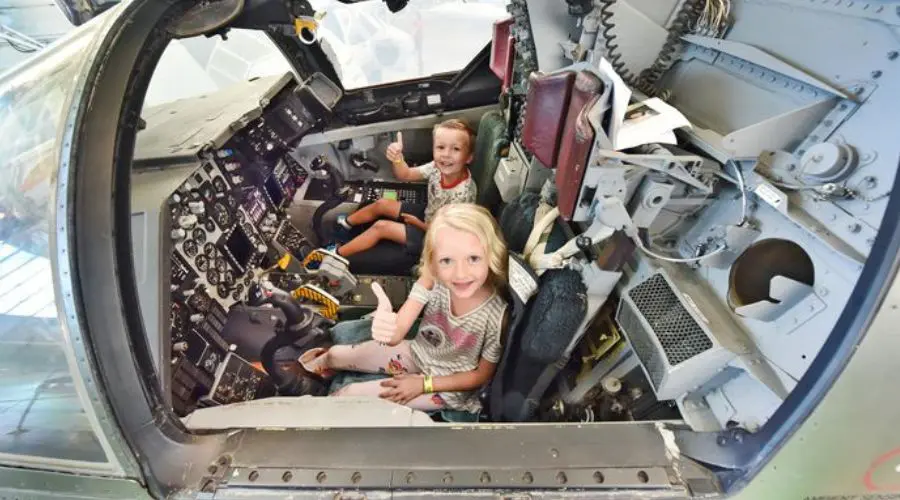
(403, 388)
(384, 321)
(394, 151)
(412, 220)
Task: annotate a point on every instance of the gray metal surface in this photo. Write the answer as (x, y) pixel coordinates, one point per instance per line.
(37, 485)
(178, 130)
(149, 220)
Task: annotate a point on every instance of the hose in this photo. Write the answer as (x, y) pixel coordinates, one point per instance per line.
(646, 82)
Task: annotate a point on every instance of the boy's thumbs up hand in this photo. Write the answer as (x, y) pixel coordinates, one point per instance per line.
(394, 151)
(384, 321)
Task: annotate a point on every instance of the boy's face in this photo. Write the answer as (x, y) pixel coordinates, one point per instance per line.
(451, 150)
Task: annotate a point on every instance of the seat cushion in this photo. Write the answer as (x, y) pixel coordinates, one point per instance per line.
(548, 101)
(489, 143)
(577, 139)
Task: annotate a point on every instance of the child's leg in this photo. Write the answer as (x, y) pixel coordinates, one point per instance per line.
(381, 230)
(373, 388)
(374, 211)
(372, 357)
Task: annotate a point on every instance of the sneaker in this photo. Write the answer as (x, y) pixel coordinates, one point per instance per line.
(342, 229)
(312, 362)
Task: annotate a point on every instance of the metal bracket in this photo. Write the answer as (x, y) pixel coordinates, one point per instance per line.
(678, 167)
(809, 216)
(736, 52)
(836, 117)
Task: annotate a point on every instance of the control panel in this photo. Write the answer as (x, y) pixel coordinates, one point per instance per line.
(228, 224)
(371, 191)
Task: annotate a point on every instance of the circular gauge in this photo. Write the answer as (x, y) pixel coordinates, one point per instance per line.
(199, 235)
(202, 263)
(190, 248)
(228, 278)
(199, 302)
(209, 225)
(222, 290)
(221, 265)
(219, 184)
(210, 250)
(249, 278)
(220, 215)
(231, 200)
(237, 293)
(212, 276)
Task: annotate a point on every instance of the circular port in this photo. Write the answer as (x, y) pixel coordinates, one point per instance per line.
(750, 280)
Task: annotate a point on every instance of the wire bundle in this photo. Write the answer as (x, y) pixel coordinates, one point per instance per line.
(714, 20)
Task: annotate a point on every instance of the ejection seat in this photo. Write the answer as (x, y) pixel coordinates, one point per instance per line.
(389, 258)
(538, 346)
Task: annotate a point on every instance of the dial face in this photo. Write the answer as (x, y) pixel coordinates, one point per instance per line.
(220, 215)
(199, 235)
(228, 278)
(222, 290)
(238, 291)
(231, 200)
(209, 225)
(199, 302)
(190, 248)
(212, 276)
(219, 184)
(248, 278)
(221, 265)
(202, 263)
(210, 250)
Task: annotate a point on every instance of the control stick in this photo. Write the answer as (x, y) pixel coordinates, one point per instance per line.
(338, 192)
(303, 328)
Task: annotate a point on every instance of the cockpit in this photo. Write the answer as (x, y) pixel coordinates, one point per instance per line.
(667, 263)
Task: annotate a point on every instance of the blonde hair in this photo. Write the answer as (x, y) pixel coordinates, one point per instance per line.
(457, 124)
(472, 219)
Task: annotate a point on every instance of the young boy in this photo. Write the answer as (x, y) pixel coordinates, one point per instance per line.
(449, 182)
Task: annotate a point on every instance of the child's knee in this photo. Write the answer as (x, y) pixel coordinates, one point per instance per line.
(383, 226)
(388, 208)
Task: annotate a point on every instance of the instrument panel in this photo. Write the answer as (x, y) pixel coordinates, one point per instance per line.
(228, 224)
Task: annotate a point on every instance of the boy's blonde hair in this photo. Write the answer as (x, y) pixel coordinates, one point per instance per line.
(472, 219)
(457, 124)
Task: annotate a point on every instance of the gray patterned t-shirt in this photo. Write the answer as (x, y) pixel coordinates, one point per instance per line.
(446, 344)
(464, 191)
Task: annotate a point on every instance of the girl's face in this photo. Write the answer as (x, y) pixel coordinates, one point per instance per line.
(460, 262)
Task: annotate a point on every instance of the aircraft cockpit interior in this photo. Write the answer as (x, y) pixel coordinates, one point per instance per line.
(682, 239)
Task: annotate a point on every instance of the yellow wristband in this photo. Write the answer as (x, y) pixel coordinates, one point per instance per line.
(428, 384)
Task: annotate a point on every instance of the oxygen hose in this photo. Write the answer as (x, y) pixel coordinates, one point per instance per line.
(646, 82)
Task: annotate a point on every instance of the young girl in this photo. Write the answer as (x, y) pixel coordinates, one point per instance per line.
(462, 272)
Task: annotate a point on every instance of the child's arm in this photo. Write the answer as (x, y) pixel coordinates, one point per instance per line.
(466, 381)
(402, 171)
(389, 327)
